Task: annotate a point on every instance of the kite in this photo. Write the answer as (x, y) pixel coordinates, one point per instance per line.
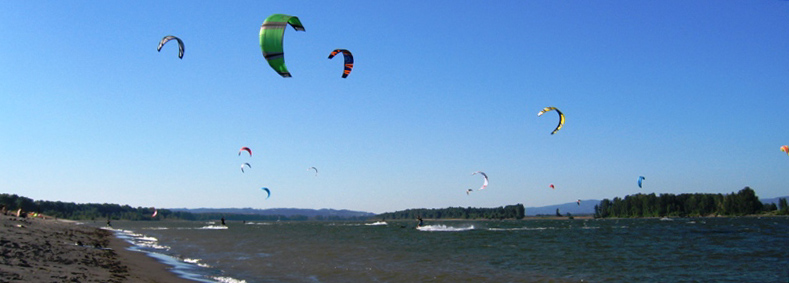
(267, 191)
(561, 117)
(154, 212)
(245, 149)
(579, 202)
(552, 187)
(785, 148)
(469, 191)
(180, 45)
(313, 168)
(245, 164)
(348, 60)
(272, 32)
(485, 184)
(640, 178)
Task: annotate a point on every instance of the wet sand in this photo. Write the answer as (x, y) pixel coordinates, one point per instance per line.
(39, 250)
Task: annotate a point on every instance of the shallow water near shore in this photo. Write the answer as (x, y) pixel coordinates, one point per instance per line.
(746, 249)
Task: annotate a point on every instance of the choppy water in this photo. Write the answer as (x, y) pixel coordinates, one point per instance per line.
(624, 250)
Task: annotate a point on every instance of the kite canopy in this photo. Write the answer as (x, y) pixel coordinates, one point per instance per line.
(272, 32)
(469, 191)
(245, 149)
(561, 117)
(579, 202)
(640, 178)
(180, 45)
(785, 148)
(245, 164)
(485, 183)
(313, 168)
(552, 187)
(267, 191)
(348, 60)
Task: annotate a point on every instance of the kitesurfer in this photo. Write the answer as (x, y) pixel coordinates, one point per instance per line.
(223, 221)
(420, 221)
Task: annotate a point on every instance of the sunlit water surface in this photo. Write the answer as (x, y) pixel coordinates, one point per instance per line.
(744, 249)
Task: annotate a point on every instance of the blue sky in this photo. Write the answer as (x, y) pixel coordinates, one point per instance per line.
(693, 95)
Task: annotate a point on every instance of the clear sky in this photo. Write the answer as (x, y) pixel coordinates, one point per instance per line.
(693, 95)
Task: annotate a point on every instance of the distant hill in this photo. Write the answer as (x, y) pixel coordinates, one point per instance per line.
(343, 213)
(773, 200)
(586, 207)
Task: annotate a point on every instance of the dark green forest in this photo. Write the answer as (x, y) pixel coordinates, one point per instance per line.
(95, 211)
(505, 212)
(744, 202)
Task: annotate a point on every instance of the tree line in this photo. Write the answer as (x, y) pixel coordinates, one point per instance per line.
(96, 211)
(86, 211)
(502, 212)
(744, 202)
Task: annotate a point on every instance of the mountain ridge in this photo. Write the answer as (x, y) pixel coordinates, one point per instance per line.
(281, 211)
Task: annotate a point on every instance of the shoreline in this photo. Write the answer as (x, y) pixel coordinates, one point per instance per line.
(49, 250)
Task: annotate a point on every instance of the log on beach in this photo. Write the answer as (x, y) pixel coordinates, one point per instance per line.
(39, 250)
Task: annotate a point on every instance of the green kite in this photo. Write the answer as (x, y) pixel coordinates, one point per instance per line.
(271, 33)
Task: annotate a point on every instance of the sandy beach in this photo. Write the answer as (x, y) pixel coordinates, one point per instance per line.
(48, 250)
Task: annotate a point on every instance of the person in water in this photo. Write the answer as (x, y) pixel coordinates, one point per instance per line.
(420, 221)
(223, 221)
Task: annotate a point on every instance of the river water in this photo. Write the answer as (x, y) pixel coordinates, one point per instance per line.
(746, 249)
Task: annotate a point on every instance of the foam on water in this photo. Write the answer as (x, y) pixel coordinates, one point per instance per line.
(184, 267)
(378, 223)
(444, 228)
(227, 279)
(344, 224)
(258, 223)
(155, 228)
(213, 227)
(196, 262)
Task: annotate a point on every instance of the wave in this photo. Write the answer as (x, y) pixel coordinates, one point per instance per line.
(376, 223)
(520, 229)
(213, 227)
(188, 268)
(195, 261)
(227, 279)
(444, 228)
(156, 228)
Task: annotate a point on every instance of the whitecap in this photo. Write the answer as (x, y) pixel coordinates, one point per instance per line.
(213, 227)
(155, 228)
(444, 228)
(227, 279)
(196, 262)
